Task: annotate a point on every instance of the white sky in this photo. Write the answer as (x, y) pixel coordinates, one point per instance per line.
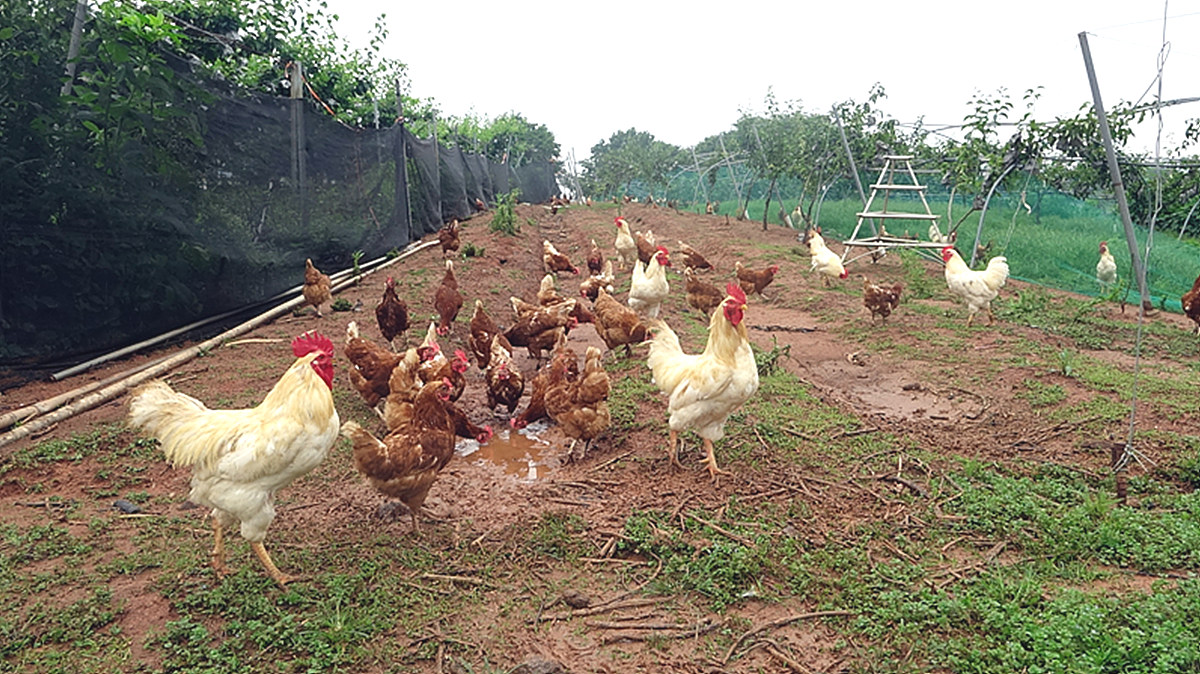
(588, 70)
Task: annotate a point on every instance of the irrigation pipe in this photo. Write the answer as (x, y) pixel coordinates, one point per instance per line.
(364, 270)
(139, 375)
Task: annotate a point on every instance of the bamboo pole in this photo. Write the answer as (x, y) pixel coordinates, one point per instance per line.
(50, 404)
(140, 375)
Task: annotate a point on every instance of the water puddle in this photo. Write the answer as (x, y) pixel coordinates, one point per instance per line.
(522, 453)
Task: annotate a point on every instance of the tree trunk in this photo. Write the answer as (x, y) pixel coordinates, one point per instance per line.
(767, 206)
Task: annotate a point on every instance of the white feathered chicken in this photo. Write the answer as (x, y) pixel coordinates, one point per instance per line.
(976, 288)
(648, 286)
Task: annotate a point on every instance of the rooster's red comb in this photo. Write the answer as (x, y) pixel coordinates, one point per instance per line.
(618, 220)
(309, 342)
(460, 354)
(735, 291)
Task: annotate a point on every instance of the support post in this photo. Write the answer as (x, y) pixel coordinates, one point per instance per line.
(1139, 271)
(73, 46)
(403, 214)
(853, 169)
(299, 148)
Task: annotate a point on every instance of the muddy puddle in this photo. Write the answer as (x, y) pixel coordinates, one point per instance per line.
(519, 453)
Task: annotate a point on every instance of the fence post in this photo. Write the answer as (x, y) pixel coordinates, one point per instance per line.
(1139, 272)
(299, 164)
(73, 46)
(403, 215)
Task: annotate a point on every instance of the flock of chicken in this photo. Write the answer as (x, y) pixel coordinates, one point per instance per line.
(240, 458)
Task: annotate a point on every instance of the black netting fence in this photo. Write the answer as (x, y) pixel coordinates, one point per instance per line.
(210, 211)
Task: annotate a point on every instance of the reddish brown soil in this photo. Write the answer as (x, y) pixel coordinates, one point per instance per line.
(954, 403)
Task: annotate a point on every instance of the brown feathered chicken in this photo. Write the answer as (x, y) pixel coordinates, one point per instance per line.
(370, 365)
(879, 299)
(505, 384)
(1191, 304)
(578, 402)
(403, 386)
(554, 261)
(547, 293)
(317, 289)
(692, 259)
(536, 409)
(617, 324)
(447, 300)
(755, 280)
(646, 248)
(591, 285)
(448, 237)
(701, 295)
(465, 428)
(482, 329)
(391, 313)
(435, 366)
(405, 463)
(537, 330)
(480, 205)
(595, 259)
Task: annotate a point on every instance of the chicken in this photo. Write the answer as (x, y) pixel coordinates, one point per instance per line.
(547, 293)
(646, 246)
(480, 205)
(465, 428)
(824, 261)
(1106, 268)
(578, 402)
(595, 259)
(403, 386)
(370, 365)
(505, 383)
(242, 457)
(482, 329)
(648, 287)
(391, 313)
(617, 324)
(447, 300)
(405, 463)
(537, 330)
(1191, 304)
(704, 389)
(554, 261)
(590, 286)
(880, 300)
(755, 280)
(692, 259)
(701, 295)
(536, 409)
(448, 237)
(317, 288)
(435, 366)
(976, 288)
(625, 245)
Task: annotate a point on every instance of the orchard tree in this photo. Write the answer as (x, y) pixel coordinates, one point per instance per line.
(626, 157)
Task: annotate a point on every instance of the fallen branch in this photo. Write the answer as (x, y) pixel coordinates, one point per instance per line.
(683, 632)
(725, 532)
(782, 328)
(920, 491)
(781, 622)
(597, 610)
(455, 579)
(609, 462)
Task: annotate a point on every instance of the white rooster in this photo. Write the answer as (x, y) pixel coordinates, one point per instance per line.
(976, 288)
(648, 287)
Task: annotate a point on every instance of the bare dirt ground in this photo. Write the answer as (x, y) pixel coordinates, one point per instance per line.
(960, 400)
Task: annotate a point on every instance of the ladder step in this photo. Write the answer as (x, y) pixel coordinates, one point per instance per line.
(898, 187)
(892, 215)
(899, 157)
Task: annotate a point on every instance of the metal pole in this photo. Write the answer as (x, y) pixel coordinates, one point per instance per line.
(853, 169)
(1139, 272)
(403, 201)
(73, 46)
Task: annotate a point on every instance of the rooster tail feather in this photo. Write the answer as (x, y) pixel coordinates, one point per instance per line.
(170, 416)
(997, 272)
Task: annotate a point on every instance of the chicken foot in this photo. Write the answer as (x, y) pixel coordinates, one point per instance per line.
(272, 570)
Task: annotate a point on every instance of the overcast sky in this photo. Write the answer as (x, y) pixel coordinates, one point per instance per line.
(587, 70)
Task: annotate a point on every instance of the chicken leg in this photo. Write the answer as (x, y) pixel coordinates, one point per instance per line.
(711, 460)
(272, 570)
(218, 551)
(672, 453)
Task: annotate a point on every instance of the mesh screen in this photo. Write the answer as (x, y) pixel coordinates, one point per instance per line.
(171, 232)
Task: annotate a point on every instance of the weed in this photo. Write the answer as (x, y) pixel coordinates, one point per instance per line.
(471, 250)
(342, 304)
(504, 220)
(1042, 395)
